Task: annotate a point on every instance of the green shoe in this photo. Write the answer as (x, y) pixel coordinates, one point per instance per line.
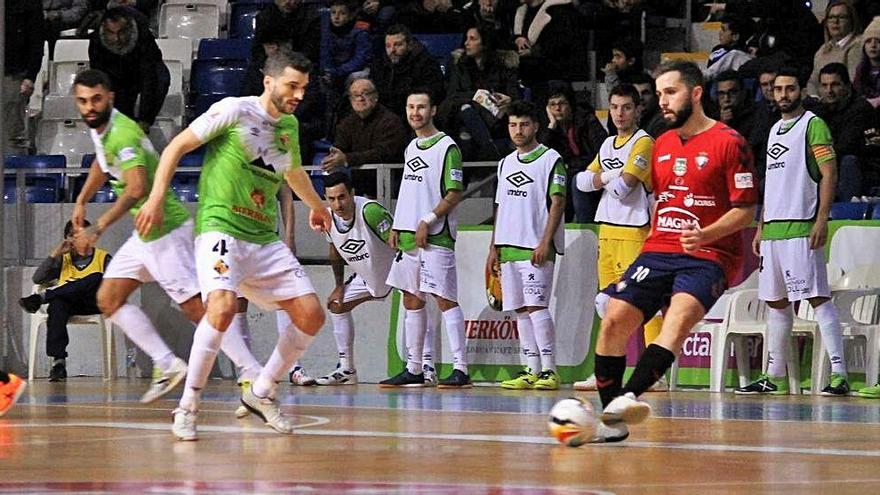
(547, 380)
(872, 392)
(524, 380)
(765, 384)
(837, 385)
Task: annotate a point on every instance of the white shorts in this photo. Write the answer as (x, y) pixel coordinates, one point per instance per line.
(168, 261)
(790, 270)
(263, 274)
(356, 288)
(523, 284)
(430, 270)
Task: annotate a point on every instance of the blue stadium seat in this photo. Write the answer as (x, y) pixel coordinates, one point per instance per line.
(243, 18)
(440, 46)
(849, 211)
(875, 213)
(104, 195)
(204, 102)
(87, 160)
(186, 191)
(218, 76)
(40, 192)
(37, 162)
(239, 49)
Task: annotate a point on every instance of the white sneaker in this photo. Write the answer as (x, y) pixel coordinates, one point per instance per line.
(242, 411)
(184, 426)
(661, 386)
(625, 408)
(430, 374)
(617, 432)
(165, 381)
(588, 385)
(299, 377)
(268, 410)
(339, 377)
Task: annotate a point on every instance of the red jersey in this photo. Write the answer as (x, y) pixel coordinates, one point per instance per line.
(697, 182)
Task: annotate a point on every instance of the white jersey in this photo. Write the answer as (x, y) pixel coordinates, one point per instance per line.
(422, 186)
(633, 210)
(362, 248)
(523, 199)
(791, 193)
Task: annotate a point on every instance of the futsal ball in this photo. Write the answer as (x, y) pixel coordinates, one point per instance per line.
(493, 287)
(572, 422)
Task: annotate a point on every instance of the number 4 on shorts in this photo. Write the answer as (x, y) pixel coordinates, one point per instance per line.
(220, 247)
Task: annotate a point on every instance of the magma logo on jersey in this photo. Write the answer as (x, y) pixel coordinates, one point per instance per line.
(776, 151)
(612, 163)
(673, 219)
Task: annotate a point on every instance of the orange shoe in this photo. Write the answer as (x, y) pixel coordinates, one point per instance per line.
(10, 392)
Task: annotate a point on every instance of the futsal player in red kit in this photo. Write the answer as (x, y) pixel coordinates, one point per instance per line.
(705, 189)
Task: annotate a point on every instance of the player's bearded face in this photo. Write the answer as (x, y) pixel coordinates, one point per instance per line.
(677, 118)
(288, 90)
(95, 105)
(788, 103)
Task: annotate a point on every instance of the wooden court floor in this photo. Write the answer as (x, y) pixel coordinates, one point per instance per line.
(89, 436)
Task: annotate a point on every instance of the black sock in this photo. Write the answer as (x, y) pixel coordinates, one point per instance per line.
(609, 376)
(4, 378)
(653, 365)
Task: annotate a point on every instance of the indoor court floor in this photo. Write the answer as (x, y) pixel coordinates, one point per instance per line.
(90, 436)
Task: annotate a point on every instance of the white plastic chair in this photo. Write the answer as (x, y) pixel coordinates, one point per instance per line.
(66, 137)
(108, 363)
(62, 75)
(192, 21)
(221, 4)
(177, 49)
(71, 50)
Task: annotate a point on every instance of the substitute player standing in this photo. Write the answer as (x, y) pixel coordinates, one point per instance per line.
(425, 226)
(704, 182)
(527, 236)
(252, 145)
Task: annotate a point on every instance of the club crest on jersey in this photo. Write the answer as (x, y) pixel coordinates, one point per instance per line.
(680, 167)
(284, 142)
(352, 246)
(417, 164)
(612, 163)
(702, 160)
(220, 267)
(776, 151)
(259, 198)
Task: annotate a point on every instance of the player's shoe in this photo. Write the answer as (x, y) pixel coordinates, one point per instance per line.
(267, 409)
(339, 377)
(165, 381)
(837, 385)
(765, 384)
(625, 409)
(547, 380)
(403, 379)
(184, 426)
(299, 377)
(872, 392)
(524, 380)
(588, 385)
(10, 392)
(660, 386)
(616, 432)
(458, 379)
(430, 375)
(242, 411)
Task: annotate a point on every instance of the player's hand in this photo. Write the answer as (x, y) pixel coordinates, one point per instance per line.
(756, 242)
(78, 215)
(819, 234)
(692, 238)
(319, 220)
(392, 239)
(492, 259)
(149, 216)
(422, 235)
(89, 234)
(540, 254)
(336, 295)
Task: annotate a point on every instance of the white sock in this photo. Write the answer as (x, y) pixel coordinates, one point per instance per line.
(414, 327)
(530, 356)
(545, 337)
(454, 320)
(292, 343)
(428, 347)
(829, 327)
(235, 346)
(779, 322)
(138, 327)
(206, 343)
(343, 332)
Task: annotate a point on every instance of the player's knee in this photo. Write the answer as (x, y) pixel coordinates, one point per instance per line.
(193, 309)
(311, 319)
(445, 304)
(108, 302)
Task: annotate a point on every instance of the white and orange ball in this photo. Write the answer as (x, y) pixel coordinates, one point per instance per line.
(572, 422)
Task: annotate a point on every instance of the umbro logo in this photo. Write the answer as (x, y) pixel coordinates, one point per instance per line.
(776, 151)
(352, 246)
(519, 179)
(417, 164)
(612, 163)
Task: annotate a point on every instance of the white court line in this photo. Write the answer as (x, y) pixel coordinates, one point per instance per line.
(516, 439)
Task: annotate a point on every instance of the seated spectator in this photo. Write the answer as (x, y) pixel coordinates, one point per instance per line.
(610, 20)
(432, 16)
(289, 24)
(848, 115)
(843, 41)
(78, 267)
(651, 119)
(480, 67)
(345, 48)
(735, 106)
(867, 80)
(406, 65)
(372, 134)
(626, 62)
(375, 15)
(23, 51)
(576, 134)
(62, 15)
(496, 15)
(125, 49)
(731, 51)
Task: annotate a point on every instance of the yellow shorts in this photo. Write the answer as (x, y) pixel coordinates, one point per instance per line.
(615, 256)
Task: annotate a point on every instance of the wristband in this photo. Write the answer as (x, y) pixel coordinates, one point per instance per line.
(429, 218)
(610, 175)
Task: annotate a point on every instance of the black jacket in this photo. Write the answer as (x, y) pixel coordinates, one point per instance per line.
(301, 29)
(418, 69)
(498, 75)
(24, 38)
(848, 124)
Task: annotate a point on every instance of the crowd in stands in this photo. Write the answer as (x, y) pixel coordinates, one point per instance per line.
(370, 56)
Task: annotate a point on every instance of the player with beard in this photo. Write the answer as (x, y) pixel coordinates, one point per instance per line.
(792, 235)
(124, 153)
(704, 183)
(252, 146)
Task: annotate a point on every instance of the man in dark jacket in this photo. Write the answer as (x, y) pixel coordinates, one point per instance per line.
(125, 49)
(734, 108)
(23, 50)
(371, 134)
(406, 65)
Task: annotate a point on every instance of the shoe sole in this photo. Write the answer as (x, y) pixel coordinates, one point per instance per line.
(335, 384)
(15, 397)
(256, 412)
(545, 387)
(469, 385)
(831, 394)
(867, 396)
(584, 388)
(632, 415)
(175, 380)
(242, 412)
(408, 385)
(186, 438)
(514, 387)
(305, 384)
